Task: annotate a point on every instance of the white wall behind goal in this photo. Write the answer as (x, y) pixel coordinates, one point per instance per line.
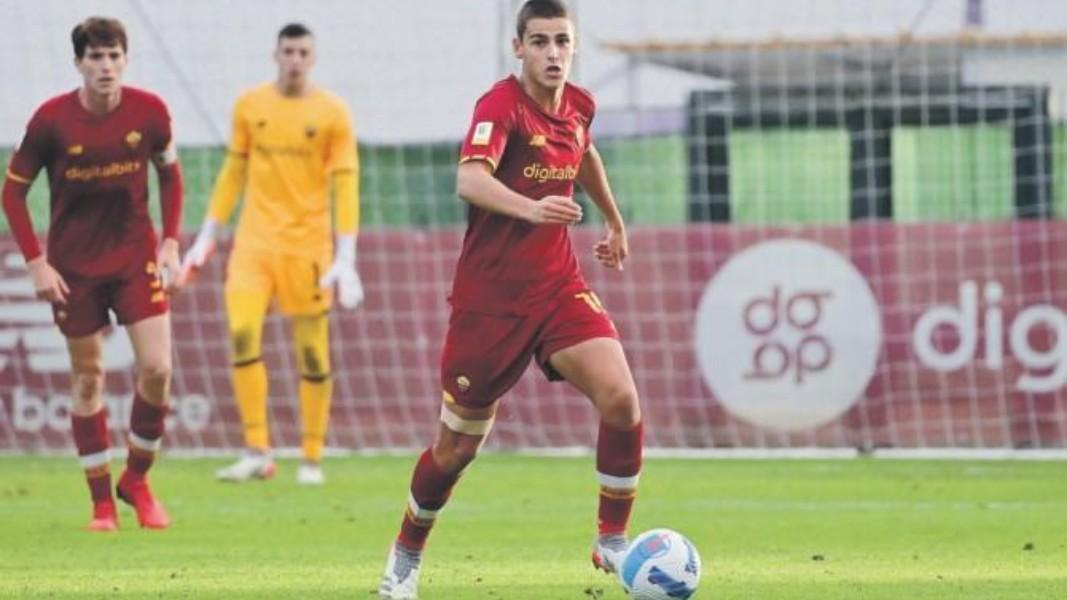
(411, 69)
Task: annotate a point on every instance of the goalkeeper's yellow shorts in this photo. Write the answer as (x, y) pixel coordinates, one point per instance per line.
(293, 281)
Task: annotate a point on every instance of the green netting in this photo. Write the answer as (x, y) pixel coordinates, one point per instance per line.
(38, 201)
(953, 173)
(414, 184)
(783, 176)
(1059, 170)
(776, 177)
(649, 178)
(200, 166)
(400, 185)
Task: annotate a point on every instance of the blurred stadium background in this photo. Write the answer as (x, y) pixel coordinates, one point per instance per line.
(890, 176)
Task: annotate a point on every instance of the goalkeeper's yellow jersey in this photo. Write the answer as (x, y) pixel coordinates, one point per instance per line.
(292, 146)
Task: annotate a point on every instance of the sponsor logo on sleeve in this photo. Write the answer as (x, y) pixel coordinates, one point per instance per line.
(482, 132)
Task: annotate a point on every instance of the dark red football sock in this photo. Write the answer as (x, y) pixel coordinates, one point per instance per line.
(93, 444)
(618, 464)
(146, 432)
(430, 489)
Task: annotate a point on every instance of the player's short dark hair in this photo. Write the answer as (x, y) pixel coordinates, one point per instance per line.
(293, 30)
(97, 31)
(539, 9)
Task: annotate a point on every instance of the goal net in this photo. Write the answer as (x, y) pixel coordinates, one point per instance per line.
(838, 242)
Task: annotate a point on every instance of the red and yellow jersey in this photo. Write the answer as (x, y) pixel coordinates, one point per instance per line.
(508, 265)
(293, 146)
(97, 169)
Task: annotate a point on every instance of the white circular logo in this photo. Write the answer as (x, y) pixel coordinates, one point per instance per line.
(788, 334)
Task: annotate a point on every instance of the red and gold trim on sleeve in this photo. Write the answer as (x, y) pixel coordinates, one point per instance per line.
(17, 178)
(482, 157)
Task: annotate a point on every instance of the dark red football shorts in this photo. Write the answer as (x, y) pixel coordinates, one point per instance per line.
(486, 354)
(134, 295)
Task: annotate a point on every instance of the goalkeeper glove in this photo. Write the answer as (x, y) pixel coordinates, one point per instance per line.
(343, 273)
(201, 250)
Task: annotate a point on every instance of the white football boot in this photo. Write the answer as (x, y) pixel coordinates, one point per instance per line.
(608, 551)
(310, 474)
(258, 465)
(401, 578)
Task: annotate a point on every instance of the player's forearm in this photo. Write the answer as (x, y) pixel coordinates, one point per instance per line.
(170, 199)
(346, 202)
(228, 187)
(593, 178)
(18, 218)
(475, 184)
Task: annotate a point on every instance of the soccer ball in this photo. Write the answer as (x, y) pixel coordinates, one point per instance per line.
(660, 565)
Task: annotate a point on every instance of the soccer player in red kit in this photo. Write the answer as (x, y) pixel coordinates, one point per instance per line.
(519, 294)
(96, 143)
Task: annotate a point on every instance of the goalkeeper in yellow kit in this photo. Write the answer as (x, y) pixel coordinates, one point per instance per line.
(292, 144)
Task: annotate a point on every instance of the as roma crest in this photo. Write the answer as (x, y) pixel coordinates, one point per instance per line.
(133, 138)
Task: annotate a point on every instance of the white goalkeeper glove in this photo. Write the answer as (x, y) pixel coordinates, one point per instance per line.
(343, 273)
(201, 250)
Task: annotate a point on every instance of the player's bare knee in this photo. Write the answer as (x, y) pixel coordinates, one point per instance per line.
(453, 453)
(154, 380)
(460, 457)
(461, 435)
(619, 407)
(88, 385)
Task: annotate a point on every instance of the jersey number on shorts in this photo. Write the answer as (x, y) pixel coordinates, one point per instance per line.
(591, 299)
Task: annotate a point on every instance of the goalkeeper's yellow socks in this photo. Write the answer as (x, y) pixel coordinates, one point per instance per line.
(315, 393)
(250, 389)
(312, 337)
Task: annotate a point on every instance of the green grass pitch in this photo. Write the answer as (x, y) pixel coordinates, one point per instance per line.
(520, 527)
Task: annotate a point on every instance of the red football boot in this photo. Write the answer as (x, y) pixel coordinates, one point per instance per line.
(134, 491)
(104, 517)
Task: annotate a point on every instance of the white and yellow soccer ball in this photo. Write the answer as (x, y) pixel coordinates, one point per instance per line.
(660, 564)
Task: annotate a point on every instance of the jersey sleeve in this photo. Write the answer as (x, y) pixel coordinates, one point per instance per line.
(240, 137)
(490, 127)
(163, 150)
(588, 110)
(342, 150)
(588, 132)
(32, 154)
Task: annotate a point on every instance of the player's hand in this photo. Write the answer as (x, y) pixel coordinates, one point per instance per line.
(343, 273)
(349, 285)
(613, 249)
(170, 266)
(555, 210)
(199, 253)
(47, 282)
